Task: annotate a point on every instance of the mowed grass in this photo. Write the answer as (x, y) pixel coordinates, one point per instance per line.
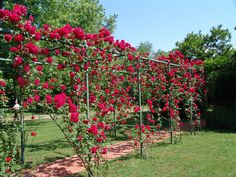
(48, 145)
(209, 154)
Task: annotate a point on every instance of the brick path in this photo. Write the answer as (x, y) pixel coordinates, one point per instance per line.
(67, 166)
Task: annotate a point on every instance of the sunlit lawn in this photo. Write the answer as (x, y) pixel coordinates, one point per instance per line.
(209, 154)
(49, 144)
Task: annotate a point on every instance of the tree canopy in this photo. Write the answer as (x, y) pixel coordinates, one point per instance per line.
(88, 14)
(145, 47)
(197, 45)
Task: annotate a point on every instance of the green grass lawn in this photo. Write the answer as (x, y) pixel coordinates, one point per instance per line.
(48, 145)
(209, 154)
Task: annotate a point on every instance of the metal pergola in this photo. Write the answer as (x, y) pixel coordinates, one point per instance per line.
(139, 75)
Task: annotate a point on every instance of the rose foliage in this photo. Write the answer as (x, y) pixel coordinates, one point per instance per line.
(81, 79)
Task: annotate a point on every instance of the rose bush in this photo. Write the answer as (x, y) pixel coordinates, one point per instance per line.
(89, 83)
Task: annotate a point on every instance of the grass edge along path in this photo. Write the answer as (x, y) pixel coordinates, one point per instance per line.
(71, 165)
(209, 154)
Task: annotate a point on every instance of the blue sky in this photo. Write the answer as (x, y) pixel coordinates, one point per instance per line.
(163, 22)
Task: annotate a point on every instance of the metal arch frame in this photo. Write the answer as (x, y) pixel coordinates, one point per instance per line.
(138, 72)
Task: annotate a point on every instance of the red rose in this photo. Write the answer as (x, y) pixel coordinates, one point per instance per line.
(74, 117)
(8, 159)
(8, 170)
(46, 27)
(20, 9)
(60, 100)
(65, 30)
(18, 38)
(3, 13)
(21, 81)
(39, 68)
(48, 99)
(36, 82)
(93, 130)
(95, 119)
(80, 138)
(99, 140)
(2, 83)
(36, 98)
(94, 150)
(63, 87)
(136, 109)
(50, 60)
(33, 134)
(18, 61)
(72, 74)
(13, 17)
(101, 125)
(31, 48)
(37, 36)
(79, 33)
(8, 37)
(86, 121)
(104, 150)
(45, 85)
(34, 59)
(26, 68)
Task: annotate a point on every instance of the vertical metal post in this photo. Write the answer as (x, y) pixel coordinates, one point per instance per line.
(1, 4)
(191, 105)
(114, 119)
(171, 127)
(140, 112)
(22, 137)
(90, 173)
(87, 94)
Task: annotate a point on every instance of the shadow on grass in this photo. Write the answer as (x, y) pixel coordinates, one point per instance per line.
(52, 145)
(52, 159)
(34, 123)
(161, 144)
(118, 138)
(207, 130)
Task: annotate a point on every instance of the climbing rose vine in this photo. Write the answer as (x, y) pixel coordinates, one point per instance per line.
(88, 83)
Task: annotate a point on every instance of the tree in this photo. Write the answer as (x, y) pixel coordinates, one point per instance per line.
(159, 53)
(192, 46)
(218, 42)
(145, 47)
(88, 14)
(197, 45)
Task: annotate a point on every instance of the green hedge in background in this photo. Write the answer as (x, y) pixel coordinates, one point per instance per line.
(221, 79)
(221, 82)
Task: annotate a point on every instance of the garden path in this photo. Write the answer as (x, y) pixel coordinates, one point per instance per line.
(71, 165)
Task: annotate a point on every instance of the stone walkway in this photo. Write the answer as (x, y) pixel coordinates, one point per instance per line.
(67, 166)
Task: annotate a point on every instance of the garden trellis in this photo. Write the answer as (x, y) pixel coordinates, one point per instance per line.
(91, 83)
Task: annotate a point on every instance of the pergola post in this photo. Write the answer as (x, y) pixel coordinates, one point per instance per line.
(140, 111)
(171, 127)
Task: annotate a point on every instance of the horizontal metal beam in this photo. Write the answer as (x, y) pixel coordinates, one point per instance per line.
(114, 51)
(6, 31)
